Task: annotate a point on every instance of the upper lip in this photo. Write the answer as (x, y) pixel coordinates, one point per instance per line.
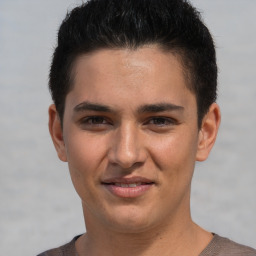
(127, 180)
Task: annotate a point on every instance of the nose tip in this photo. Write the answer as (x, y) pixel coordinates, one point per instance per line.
(126, 149)
(125, 158)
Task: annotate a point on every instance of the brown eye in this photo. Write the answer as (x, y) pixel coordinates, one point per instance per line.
(95, 120)
(95, 123)
(161, 121)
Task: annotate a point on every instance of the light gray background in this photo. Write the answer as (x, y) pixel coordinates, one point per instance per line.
(38, 206)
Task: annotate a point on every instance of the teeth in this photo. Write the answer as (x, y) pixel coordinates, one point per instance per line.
(130, 185)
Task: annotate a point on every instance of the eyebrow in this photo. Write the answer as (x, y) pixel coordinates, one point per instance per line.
(151, 108)
(160, 107)
(85, 106)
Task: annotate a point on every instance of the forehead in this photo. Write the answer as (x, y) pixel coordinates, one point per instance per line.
(147, 58)
(145, 74)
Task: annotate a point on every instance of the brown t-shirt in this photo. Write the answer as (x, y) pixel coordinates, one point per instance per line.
(219, 246)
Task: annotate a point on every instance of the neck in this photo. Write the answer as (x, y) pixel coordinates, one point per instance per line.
(177, 238)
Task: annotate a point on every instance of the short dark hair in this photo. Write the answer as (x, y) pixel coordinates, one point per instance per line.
(173, 25)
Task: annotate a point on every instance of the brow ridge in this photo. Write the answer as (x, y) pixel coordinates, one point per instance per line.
(86, 105)
(152, 108)
(159, 107)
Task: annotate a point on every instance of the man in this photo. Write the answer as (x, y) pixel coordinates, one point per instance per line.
(134, 90)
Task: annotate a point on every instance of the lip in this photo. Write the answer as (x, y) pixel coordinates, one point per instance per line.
(130, 187)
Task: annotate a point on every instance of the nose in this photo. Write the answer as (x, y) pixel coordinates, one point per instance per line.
(127, 147)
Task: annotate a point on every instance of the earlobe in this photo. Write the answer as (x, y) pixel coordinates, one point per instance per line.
(208, 132)
(56, 132)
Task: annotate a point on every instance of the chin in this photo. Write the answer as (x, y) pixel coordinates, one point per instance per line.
(130, 221)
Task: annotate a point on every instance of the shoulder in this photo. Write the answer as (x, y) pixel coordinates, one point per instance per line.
(221, 246)
(64, 250)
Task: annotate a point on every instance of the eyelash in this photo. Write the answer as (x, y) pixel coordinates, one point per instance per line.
(90, 120)
(166, 121)
(101, 123)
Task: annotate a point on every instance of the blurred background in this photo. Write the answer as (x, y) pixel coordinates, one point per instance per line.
(39, 208)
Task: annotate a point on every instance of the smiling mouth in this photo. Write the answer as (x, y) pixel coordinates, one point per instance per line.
(128, 185)
(127, 188)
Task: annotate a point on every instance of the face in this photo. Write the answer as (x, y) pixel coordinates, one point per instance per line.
(130, 138)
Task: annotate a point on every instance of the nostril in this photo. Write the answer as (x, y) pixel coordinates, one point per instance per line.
(124, 159)
(126, 149)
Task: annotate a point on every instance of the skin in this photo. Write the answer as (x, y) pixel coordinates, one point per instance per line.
(129, 115)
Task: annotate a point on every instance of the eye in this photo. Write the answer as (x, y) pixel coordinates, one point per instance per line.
(161, 121)
(94, 120)
(160, 124)
(95, 123)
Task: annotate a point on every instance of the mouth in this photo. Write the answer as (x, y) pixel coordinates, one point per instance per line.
(128, 187)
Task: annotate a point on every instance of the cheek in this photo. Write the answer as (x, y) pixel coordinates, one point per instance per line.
(85, 156)
(84, 150)
(175, 152)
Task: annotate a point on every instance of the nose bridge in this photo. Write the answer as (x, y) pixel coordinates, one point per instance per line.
(126, 148)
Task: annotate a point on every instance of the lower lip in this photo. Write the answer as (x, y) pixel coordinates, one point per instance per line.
(128, 192)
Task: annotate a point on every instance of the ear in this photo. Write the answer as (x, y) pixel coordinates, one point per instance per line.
(208, 132)
(57, 133)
